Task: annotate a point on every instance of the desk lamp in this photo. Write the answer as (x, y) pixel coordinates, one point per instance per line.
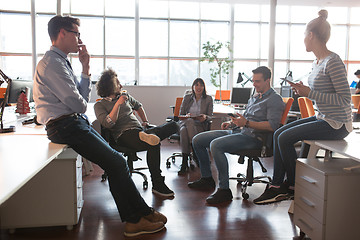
(4, 102)
(240, 79)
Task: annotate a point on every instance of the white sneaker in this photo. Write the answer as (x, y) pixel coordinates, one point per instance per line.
(150, 139)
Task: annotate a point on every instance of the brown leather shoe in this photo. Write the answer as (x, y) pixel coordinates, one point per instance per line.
(155, 216)
(142, 227)
(150, 139)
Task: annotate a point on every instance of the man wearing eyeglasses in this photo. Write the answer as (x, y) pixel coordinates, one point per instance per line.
(61, 101)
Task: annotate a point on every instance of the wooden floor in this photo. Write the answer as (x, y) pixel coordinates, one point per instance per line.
(188, 215)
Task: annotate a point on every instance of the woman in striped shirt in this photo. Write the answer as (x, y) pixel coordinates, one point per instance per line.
(329, 89)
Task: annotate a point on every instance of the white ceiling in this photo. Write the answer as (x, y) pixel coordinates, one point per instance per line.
(320, 3)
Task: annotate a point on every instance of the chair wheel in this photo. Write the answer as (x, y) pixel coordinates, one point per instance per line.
(245, 196)
(145, 184)
(173, 159)
(104, 177)
(168, 164)
(192, 166)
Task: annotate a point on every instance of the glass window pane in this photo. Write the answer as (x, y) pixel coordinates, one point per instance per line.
(96, 67)
(282, 13)
(297, 47)
(246, 40)
(215, 11)
(279, 71)
(65, 6)
(354, 46)
(153, 38)
(43, 41)
(125, 69)
(337, 15)
(301, 71)
(156, 9)
(95, 7)
(184, 39)
(337, 42)
(247, 12)
(281, 41)
(214, 32)
(120, 36)
(355, 15)
(265, 13)
(351, 70)
(264, 41)
(92, 29)
(205, 74)
(18, 5)
(245, 67)
(45, 6)
(18, 41)
(125, 8)
(17, 66)
(153, 72)
(303, 14)
(184, 10)
(183, 72)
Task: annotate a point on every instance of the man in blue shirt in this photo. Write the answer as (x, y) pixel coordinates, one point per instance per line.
(263, 112)
(60, 101)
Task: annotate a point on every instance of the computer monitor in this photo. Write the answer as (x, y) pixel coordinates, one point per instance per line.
(286, 91)
(240, 96)
(17, 86)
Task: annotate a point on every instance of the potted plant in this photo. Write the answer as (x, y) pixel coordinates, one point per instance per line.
(211, 54)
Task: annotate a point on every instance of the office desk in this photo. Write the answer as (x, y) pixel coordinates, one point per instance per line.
(40, 181)
(326, 197)
(220, 112)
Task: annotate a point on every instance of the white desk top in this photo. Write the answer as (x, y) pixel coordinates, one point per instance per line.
(22, 155)
(349, 147)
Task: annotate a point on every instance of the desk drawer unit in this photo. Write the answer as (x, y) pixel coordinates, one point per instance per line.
(327, 199)
(51, 198)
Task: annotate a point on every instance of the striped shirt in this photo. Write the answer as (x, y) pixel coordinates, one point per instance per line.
(330, 91)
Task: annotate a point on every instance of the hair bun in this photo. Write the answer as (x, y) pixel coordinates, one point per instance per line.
(323, 14)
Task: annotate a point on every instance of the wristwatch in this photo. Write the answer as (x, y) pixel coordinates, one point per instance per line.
(247, 123)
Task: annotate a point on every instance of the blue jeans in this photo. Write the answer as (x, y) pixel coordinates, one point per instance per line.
(285, 138)
(79, 135)
(220, 142)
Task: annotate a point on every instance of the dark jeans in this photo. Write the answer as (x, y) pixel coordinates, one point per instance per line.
(79, 135)
(285, 138)
(130, 139)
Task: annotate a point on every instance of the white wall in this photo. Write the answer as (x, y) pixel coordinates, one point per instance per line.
(155, 99)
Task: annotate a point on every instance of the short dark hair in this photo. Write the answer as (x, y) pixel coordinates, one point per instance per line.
(265, 71)
(357, 72)
(201, 81)
(58, 22)
(107, 83)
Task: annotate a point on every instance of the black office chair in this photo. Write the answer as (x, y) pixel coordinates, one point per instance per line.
(129, 153)
(254, 155)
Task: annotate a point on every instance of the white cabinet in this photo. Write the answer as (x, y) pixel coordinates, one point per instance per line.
(53, 197)
(327, 199)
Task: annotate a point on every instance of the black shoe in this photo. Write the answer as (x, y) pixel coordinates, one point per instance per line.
(160, 188)
(272, 195)
(221, 195)
(203, 184)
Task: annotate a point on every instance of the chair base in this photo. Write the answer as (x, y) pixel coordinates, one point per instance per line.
(245, 182)
(104, 177)
(249, 179)
(173, 158)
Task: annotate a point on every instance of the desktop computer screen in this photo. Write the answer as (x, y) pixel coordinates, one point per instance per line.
(17, 86)
(240, 96)
(286, 91)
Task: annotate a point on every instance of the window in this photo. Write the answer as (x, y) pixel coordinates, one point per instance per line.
(162, 43)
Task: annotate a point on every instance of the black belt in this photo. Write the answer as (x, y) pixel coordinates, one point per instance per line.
(72, 115)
